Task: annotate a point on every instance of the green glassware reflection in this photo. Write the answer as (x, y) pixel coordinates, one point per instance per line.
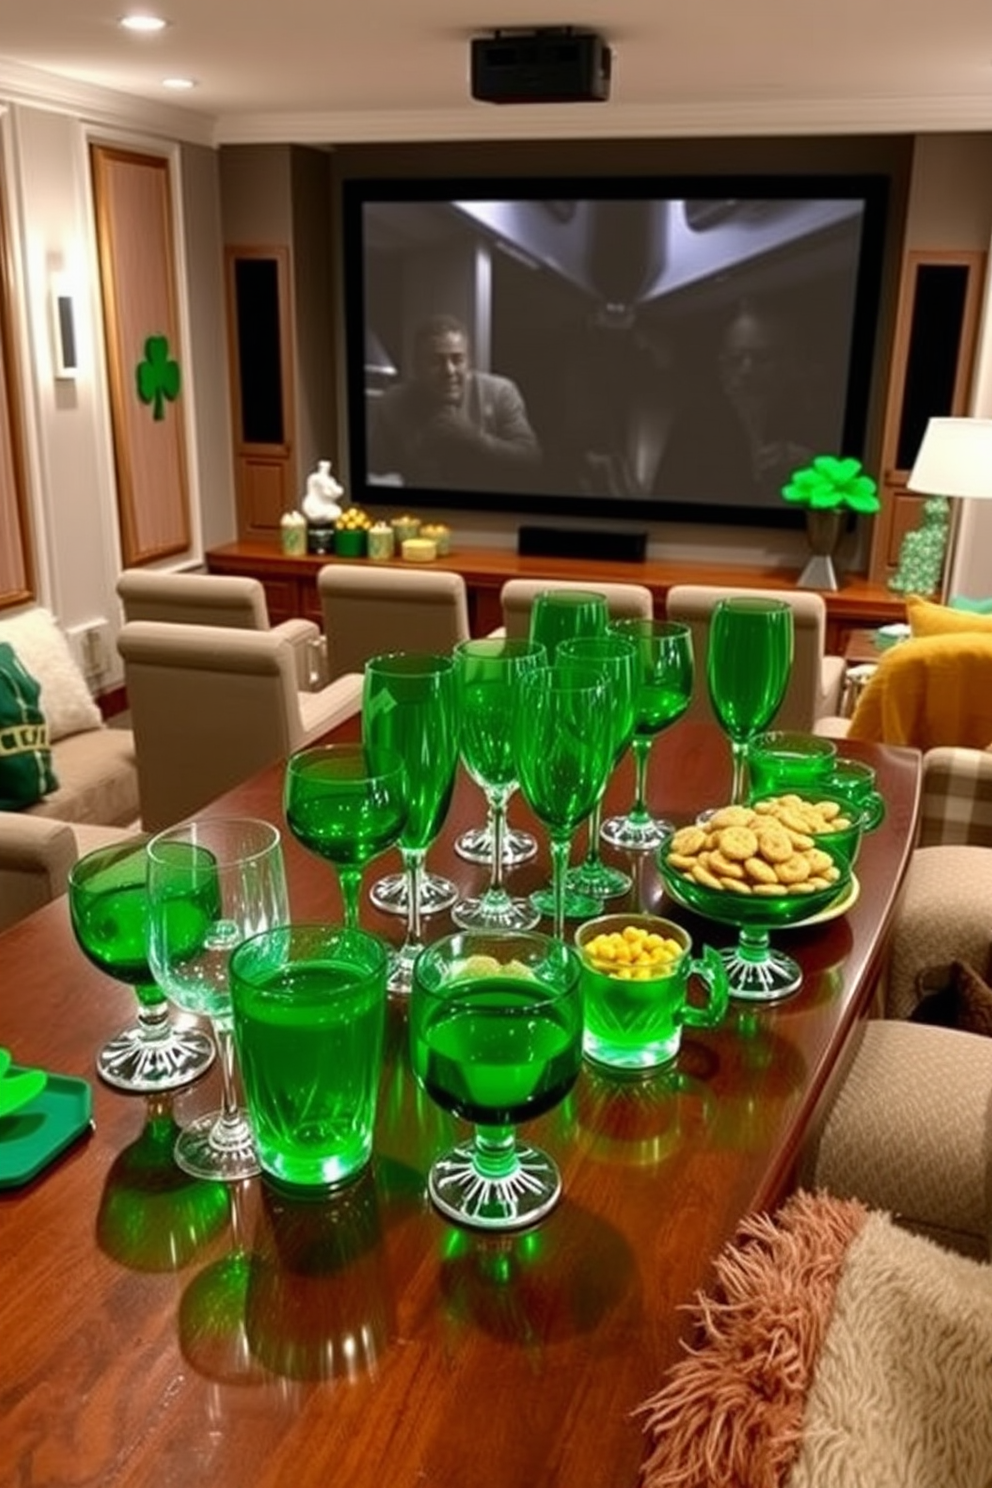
(410, 710)
(109, 912)
(748, 662)
(665, 674)
(616, 656)
(563, 615)
(152, 1215)
(345, 810)
(563, 745)
(486, 672)
(496, 1038)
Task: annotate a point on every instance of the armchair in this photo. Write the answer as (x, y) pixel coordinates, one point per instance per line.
(36, 854)
(220, 599)
(211, 706)
(371, 610)
(815, 684)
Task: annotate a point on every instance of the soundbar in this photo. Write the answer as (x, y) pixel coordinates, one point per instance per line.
(581, 542)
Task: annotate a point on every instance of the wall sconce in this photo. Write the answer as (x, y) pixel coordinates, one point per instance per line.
(65, 350)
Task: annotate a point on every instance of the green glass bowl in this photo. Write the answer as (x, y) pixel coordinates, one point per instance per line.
(752, 910)
(843, 841)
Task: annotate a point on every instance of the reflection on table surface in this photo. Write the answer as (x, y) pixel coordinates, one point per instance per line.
(161, 1330)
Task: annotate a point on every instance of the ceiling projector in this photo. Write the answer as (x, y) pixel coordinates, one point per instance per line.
(550, 64)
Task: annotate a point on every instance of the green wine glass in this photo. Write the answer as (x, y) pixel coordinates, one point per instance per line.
(665, 677)
(486, 671)
(496, 1038)
(212, 883)
(563, 747)
(616, 656)
(748, 662)
(563, 614)
(108, 908)
(345, 809)
(409, 709)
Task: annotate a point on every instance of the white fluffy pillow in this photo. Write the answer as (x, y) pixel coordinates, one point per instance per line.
(44, 651)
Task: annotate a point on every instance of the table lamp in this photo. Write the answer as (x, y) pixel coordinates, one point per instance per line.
(954, 459)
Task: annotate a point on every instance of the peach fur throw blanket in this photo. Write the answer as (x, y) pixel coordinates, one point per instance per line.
(835, 1351)
(929, 691)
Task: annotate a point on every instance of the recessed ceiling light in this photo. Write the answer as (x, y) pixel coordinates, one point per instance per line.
(179, 84)
(142, 22)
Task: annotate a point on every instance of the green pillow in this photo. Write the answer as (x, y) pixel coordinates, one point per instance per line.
(973, 606)
(25, 758)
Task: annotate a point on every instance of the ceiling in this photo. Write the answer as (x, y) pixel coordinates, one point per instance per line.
(322, 70)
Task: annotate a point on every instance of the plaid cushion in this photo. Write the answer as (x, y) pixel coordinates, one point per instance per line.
(957, 797)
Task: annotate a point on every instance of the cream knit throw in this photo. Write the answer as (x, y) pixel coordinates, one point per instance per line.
(836, 1351)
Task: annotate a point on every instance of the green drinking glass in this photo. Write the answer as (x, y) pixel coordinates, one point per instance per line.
(564, 614)
(563, 747)
(109, 911)
(496, 1038)
(665, 677)
(616, 657)
(748, 662)
(230, 872)
(410, 709)
(486, 672)
(345, 809)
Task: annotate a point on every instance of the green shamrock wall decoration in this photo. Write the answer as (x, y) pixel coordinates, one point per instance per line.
(832, 482)
(157, 376)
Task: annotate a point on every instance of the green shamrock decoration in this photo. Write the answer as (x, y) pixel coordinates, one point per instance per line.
(157, 376)
(832, 482)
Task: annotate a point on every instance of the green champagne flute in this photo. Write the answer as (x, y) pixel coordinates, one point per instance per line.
(616, 656)
(563, 746)
(563, 614)
(496, 1038)
(212, 883)
(345, 809)
(486, 671)
(748, 661)
(109, 910)
(665, 676)
(409, 709)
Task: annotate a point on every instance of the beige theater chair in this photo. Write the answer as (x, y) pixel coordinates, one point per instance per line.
(624, 601)
(369, 611)
(220, 599)
(211, 706)
(36, 854)
(815, 684)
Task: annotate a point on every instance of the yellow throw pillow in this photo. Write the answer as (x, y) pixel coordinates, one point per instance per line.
(929, 619)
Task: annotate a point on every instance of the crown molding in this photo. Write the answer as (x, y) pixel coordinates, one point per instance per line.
(32, 87)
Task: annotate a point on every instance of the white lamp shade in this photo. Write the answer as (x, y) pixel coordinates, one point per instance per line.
(954, 459)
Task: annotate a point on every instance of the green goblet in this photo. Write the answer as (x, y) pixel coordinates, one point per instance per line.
(410, 709)
(486, 671)
(564, 614)
(563, 747)
(109, 909)
(748, 661)
(616, 656)
(665, 674)
(496, 1038)
(345, 809)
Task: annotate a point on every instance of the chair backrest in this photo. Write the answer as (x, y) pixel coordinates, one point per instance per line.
(956, 798)
(193, 599)
(693, 604)
(208, 708)
(929, 692)
(624, 601)
(369, 611)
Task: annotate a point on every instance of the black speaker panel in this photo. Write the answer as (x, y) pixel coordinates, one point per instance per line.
(581, 542)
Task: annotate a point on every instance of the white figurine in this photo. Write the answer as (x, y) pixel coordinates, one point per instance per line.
(321, 504)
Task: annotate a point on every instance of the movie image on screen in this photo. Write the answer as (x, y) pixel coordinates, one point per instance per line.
(643, 348)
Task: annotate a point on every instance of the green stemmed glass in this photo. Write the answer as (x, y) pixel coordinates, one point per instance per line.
(616, 656)
(109, 907)
(486, 672)
(665, 676)
(748, 661)
(212, 883)
(496, 1038)
(345, 809)
(409, 709)
(563, 747)
(564, 614)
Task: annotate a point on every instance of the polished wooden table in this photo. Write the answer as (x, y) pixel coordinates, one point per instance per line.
(158, 1331)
